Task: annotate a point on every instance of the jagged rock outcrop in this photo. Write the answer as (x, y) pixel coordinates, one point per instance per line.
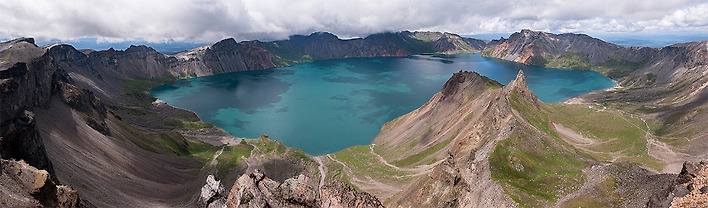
(688, 189)
(22, 185)
(339, 195)
(254, 189)
(213, 194)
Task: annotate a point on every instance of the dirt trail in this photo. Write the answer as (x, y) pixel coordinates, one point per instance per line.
(419, 170)
(662, 151)
(323, 170)
(368, 184)
(213, 161)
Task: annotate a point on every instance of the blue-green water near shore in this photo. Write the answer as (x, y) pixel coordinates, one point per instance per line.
(325, 106)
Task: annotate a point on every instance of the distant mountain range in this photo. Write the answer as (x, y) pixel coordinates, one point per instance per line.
(84, 118)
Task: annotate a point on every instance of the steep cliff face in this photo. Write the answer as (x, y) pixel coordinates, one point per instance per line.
(222, 57)
(26, 83)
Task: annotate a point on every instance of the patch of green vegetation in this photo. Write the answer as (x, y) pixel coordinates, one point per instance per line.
(426, 36)
(569, 60)
(168, 143)
(267, 146)
(230, 156)
(410, 160)
(136, 89)
(604, 196)
(297, 154)
(388, 125)
(617, 68)
(490, 83)
(335, 172)
(416, 46)
(614, 67)
(676, 119)
(535, 171)
(537, 118)
(539, 61)
(189, 125)
(364, 164)
(617, 132)
(137, 85)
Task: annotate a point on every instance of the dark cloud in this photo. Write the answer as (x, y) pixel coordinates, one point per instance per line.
(212, 20)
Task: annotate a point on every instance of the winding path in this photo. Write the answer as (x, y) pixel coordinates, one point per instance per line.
(418, 170)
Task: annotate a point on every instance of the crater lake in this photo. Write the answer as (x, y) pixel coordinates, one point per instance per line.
(325, 106)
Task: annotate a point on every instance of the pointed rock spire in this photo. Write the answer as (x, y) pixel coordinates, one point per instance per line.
(519, 86)
(519, 82)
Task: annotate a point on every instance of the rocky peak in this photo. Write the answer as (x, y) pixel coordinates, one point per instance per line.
(461, 82)
(519, 86)
(519, 81)
(140, 48)
(225, 44)
(20, 40)
(324, 35)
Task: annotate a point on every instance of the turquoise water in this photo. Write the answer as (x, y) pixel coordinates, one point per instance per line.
(325, 106)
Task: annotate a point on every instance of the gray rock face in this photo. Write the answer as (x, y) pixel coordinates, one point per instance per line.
(25, 84)
(213, 194)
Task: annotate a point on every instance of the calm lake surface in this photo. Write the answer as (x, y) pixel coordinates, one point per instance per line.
(325, 106)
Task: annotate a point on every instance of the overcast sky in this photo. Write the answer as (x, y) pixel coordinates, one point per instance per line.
(213, 20)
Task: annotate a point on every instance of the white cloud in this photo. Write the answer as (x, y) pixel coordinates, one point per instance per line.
(212, 20)
(691, 17)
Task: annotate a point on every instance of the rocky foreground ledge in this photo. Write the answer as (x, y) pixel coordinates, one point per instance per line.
(254, 189)
(688, 189)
